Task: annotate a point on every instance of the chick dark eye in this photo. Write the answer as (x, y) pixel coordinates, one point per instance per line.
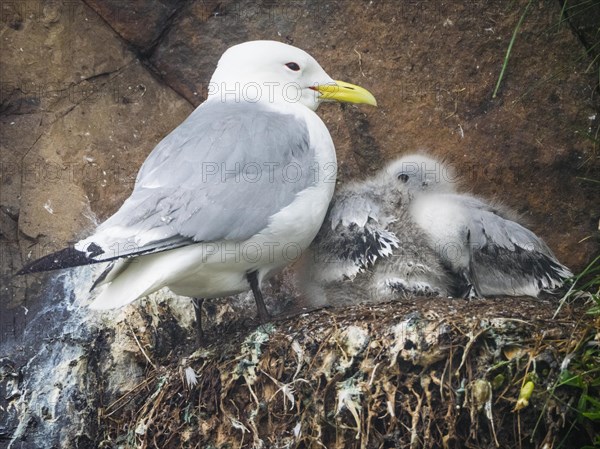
(403, 177)
(293, 66)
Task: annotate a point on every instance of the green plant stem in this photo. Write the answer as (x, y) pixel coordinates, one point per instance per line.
(509, 49)
(587, 270)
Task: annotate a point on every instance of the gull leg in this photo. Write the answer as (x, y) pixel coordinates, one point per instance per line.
(197, 302)
(263, 313)
(471, 292)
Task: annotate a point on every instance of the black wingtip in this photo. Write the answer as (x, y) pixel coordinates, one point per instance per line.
(65, 258)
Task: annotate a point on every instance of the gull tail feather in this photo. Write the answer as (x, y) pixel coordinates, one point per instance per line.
(65, 258)
(94, 253)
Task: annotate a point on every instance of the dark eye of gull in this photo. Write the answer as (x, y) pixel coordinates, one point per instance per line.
(403, 177)
(293, 66)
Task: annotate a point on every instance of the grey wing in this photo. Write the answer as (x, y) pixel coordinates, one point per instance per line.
(354, 234)
(220, 175)
(507, 258)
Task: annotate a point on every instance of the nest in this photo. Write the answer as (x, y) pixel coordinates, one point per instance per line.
(431, 373)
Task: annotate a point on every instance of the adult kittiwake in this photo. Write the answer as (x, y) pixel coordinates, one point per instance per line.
(233, 194)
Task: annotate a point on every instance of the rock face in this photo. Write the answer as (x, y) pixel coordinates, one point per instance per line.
(88, 88)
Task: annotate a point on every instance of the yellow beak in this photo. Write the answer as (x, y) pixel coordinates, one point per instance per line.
(345, 92)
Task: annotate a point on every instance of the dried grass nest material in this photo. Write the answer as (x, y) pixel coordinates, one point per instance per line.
(430, 373)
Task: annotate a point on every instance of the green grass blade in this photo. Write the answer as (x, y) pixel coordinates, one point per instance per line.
(509, 49)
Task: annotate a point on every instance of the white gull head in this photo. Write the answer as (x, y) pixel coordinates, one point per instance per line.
(274, 72)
